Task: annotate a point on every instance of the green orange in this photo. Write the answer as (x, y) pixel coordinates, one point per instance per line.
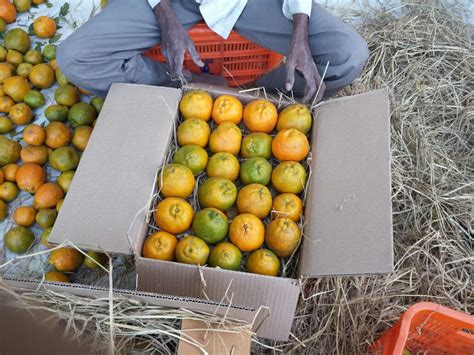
(223, 165)
(192, 250)
(94, 258)
(226, 256)
(263, 262)
(19, 239)
(217, 192)
(176, 180)
(255, 170)
(211, 225)
(192, 156)
(257, 145)
(289, 177)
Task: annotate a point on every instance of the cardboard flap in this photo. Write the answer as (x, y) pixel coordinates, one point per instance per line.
(111, 190)
(348, 211)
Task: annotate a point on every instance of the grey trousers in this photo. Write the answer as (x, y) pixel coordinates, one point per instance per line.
(109, 47)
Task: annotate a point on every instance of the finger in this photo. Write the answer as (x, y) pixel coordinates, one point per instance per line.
(310, 88)
(290, 75)
(194, 54)
(176, 64)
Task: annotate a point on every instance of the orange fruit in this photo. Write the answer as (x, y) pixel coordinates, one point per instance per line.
(46, 217)
(9, 172)
(192, 250)
(9, 150)
(34, 134)
(192, 156)
(44, 237)
(42, 76)
(21, 114)
(44, 27)
(194, 131)
(22, 5)
(64, 158)
(226, 138)
(55, 276)
(227, 108)
(19, 239)
(15, 58)
(24, 216)
(65, 259)
(16, 87)
(217, 192)
(48, 195)
(176, 180)
(3, 210)
(290, 144)
(8, 191)
(196, 104)
(160, 245)
(6, 71)
(283, 236)
(93, 258)
(7, 11)
(2, 176)
(3, 51)
(57, 135)
(263, 262)
(174, 215)
(38, 2)
(247, 232)
(18, 40)
(1, 90)
(65, 179)
(33, 57)
(289, 176)
(59, 205)
(257, 145)
(223, 165)
(30, 177)
(260, 116)
(255, 199)
(296, 116)
(226, 256)
(6, 104)
(67, 95)
(211, 225)
(287, 205)
(81, 137)
(255, 170)
(24, 69)
(34, 154)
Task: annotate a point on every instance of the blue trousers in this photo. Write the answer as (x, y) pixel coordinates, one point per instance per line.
(109, 48)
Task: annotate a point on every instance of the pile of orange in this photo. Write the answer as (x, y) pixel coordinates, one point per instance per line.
(29, 145)
(233, 190)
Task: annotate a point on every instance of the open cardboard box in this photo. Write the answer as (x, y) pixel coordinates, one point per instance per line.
(348, 227)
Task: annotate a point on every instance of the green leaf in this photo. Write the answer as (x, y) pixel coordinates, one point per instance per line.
(31, 32)
(57, 19)
(64, 10)
(54, 39)
(49, 5)
(38, 46)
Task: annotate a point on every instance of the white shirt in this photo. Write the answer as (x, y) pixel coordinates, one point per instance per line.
(221, 15)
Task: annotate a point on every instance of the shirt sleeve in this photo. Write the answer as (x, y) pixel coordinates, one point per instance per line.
(153, 3)
(291, 7)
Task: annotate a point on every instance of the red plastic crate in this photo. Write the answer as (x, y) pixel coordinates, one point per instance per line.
(236, 59)
(429, 328)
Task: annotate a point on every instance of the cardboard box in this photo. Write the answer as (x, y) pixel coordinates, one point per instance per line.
(348, 211)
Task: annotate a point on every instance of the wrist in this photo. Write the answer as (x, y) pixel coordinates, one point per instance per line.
(300, 24)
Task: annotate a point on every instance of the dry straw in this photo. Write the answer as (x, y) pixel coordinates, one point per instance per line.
(422, 55)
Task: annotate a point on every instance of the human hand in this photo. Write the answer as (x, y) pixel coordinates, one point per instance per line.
(175, 40)
(300, 58)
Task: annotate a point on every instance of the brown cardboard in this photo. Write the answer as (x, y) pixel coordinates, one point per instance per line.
(348, 206)
(211, 340)
(139, 121)
(116, 175)
(232, 312)
(278, 294)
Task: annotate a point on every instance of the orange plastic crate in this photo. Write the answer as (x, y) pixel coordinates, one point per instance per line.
(429, 328)
(236, 59)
